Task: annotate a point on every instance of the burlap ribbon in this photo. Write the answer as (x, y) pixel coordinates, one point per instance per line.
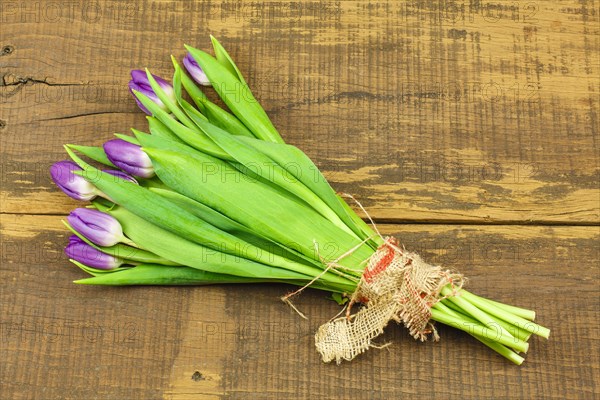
(395, 286)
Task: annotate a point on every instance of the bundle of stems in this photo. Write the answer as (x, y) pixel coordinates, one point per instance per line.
(214, 196)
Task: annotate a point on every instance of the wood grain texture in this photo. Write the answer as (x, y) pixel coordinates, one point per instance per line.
(474, 123)
(481, 112)
(62, 341)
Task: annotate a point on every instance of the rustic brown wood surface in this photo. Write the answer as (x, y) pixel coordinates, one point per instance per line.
(467, 129)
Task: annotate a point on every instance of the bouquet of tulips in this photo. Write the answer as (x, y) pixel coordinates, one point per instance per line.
(209, 195)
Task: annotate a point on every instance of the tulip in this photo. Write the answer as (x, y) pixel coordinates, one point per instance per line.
(91, 257)
(74, 186)
(195, 70)
(75, 239)
(98, 227)
(129, 157)
(139, 82)
(121, 175)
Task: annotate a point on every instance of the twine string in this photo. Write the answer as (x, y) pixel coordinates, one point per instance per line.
(331, 265)
(394, 285)
(348, 195)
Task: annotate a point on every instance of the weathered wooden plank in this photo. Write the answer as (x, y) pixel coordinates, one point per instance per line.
(67, 341)
(479, 112)
(475, 112)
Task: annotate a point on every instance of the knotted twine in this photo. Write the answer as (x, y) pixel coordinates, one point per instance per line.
(395, 285)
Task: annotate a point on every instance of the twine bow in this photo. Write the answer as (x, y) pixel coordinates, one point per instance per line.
(395, 286)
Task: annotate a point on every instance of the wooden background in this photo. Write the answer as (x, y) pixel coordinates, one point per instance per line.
(468, 129)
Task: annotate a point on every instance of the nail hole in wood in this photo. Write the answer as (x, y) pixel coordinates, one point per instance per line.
(6, 50)
(198, 376)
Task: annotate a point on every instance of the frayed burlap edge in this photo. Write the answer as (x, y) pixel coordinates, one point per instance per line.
(395, 286)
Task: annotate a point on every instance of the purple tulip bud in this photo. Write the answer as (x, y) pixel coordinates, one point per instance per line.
(139, 82)
(74, 186)
(129, 157)
(75, 239)
(98, 227)
(195, 70)
(87, 255)
(121, 175)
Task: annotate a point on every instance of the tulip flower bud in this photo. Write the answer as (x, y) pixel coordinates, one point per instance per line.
(74, 186)
(139, 82)
(195, 70)
(98, 227)
(75, 239)
(91, 257)
(121, 175)
(129, 157)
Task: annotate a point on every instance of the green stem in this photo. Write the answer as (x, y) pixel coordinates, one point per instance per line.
(512, 329)
(502, 350)
(129, 242)
(497, 347)
(506, 315)
(479, 330)
(474, 312)
(521, 312)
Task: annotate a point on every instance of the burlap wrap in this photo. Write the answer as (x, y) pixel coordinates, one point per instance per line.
(395, 286)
